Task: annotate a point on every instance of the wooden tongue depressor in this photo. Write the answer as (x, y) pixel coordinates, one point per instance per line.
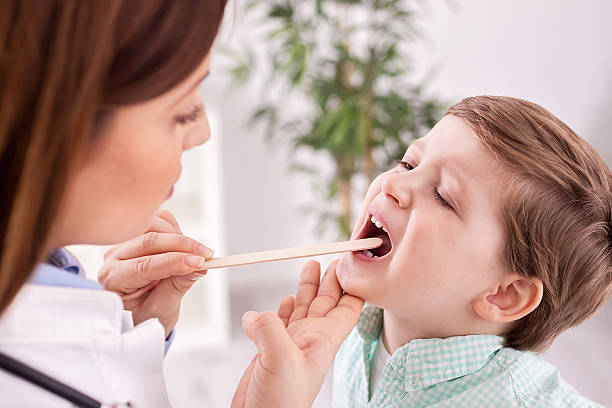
(290, 253)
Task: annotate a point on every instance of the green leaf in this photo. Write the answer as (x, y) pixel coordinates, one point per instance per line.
(281, 11)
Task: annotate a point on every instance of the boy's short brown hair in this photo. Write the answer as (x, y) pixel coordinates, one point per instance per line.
(557, 212)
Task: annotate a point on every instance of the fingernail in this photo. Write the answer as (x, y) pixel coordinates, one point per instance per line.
(194, 261)
(248, 316)
(205, 252)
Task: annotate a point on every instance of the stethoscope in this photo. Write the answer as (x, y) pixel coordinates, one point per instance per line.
(58, 388)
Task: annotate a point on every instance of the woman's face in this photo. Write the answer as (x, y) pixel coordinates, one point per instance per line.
(131, 165)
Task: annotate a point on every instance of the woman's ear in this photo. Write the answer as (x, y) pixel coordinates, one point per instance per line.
(511, 300)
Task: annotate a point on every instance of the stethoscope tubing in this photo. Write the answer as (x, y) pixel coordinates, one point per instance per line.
(42, 380)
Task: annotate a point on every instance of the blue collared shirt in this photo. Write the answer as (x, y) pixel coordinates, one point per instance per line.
(65, 270)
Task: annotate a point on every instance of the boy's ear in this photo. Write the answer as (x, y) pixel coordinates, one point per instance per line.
(512, 299)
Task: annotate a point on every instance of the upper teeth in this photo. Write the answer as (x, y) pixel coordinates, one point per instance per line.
(377, 223)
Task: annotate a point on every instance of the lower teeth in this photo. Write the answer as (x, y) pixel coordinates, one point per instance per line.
(369, 254)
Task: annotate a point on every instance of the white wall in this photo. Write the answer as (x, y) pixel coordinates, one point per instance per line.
(555, 53)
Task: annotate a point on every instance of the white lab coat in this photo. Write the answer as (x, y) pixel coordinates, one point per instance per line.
(83, 338)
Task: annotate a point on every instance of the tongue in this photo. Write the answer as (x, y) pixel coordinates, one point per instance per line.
(385, 248)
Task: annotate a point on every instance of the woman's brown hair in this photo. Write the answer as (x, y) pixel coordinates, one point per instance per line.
(557, 212)
(64, 66)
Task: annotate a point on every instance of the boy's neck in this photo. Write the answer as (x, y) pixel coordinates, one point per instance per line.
(397, 332)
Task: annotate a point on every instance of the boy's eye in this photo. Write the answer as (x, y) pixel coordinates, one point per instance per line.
(405, 164)
(441, 199)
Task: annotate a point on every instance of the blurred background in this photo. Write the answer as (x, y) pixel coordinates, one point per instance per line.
(309, 99)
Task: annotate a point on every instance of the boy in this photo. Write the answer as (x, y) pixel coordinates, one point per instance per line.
(497, 237)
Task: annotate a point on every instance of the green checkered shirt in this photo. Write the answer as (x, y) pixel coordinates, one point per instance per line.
(464, 371)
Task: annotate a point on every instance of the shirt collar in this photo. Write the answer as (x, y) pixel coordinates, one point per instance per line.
(63, 259)
(63, 269)
(370, 322)
(425, 362)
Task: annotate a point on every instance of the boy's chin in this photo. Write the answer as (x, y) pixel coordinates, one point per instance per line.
(350, 279)
(343, 273)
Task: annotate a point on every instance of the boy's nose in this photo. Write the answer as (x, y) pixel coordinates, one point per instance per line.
(396, 187)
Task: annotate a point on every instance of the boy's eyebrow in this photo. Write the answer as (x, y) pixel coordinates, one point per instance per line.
(419, 144)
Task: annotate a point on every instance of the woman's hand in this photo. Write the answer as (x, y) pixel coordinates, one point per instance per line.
(296, 347)
(152, 272)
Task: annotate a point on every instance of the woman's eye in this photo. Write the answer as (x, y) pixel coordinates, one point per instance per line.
(405, 164)
(193, 116)
(441, 199)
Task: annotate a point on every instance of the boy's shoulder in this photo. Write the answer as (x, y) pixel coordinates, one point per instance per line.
(537, 383)
(504, 377)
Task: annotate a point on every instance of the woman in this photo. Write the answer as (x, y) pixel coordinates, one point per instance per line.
(98, 101)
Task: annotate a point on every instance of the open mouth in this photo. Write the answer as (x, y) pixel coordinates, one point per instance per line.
(375, 229)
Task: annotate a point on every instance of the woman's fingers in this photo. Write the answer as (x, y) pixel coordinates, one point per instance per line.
(159, 224)
(175, 287)
(285, 309)
(307, 290)
(140, 292)
(328, 294)
(153, 243)
(169, 218)
(129, 275)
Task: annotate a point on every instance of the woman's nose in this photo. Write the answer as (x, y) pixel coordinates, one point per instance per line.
(397, 187)
(198, 135)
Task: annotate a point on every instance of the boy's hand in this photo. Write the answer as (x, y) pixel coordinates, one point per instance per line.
(152, 272)
(296, 347)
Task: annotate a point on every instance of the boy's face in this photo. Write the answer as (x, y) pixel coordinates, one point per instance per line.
(442, 213)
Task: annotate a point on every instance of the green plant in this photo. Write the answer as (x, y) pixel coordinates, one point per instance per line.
(349, 61)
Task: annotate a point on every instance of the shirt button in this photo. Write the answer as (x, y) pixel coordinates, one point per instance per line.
(415, 380)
